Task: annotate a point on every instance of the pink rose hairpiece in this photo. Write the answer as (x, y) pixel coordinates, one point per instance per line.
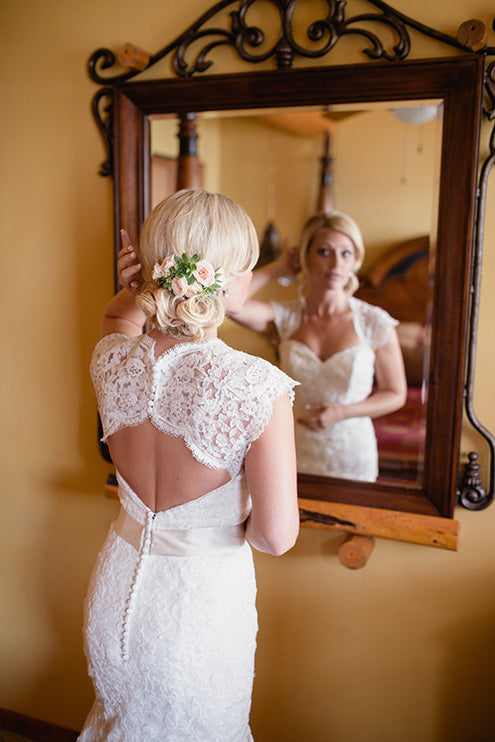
(186, 276)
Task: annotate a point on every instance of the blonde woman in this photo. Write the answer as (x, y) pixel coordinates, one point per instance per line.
(202, 439)
(344, 352)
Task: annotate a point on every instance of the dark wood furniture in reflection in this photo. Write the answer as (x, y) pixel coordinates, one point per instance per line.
(171, 174)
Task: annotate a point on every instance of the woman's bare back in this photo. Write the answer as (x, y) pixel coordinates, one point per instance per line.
(160, 468)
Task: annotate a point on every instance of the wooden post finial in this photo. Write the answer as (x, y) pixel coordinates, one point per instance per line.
(472, 34)
(355, 550)
(132, 57)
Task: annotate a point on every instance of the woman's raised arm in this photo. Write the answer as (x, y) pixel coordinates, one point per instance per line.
(121, 313)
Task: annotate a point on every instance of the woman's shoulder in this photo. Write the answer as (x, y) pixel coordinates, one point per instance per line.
(287, 317)
(256, 373)
(292, 306)
(116, 346)
(371, 312)
(252, 364)
(372, 322)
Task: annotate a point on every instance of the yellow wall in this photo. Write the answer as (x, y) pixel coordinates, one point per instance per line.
(401, 650)
(385, 171)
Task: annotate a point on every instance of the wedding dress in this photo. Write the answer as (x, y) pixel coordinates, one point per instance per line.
(170, 617)
(348, 449)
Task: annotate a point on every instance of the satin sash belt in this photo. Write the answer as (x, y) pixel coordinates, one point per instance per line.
(192, 542)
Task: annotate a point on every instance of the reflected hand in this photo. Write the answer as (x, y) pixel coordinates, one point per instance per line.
(294, 261)
(289, 259)
(127, 266)
(322, 416)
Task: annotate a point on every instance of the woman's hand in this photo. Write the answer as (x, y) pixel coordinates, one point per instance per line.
(288, 261)
(127, 266)
(322, 416)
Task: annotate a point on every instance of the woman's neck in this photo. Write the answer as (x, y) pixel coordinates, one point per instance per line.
(164, 341)
(326, 303)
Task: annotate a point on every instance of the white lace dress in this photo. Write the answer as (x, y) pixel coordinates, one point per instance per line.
(170, 617)
(348, 449)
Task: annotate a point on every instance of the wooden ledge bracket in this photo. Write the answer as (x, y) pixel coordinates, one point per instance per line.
(472, 34)
(392, 524)
(132, 57)
(355, 551)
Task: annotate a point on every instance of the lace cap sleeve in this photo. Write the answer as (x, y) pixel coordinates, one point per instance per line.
(118, 369)
(274, 384)
(372, 322)
(106, 344)
(287, 317)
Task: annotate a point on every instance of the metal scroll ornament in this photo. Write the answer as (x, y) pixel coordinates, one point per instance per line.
(472, 494)
(227, 23)
(253, 45)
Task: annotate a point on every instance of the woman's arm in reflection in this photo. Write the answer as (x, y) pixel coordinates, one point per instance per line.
(287, 264)
(270, 465)
(390, 394)
(257, 314)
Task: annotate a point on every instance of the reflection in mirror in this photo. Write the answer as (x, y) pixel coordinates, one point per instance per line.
(384, 163)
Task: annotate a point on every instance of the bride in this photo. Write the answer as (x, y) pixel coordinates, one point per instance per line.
(202, 439)
(344, 352)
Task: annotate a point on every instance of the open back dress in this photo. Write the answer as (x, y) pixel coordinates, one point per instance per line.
(170, 618)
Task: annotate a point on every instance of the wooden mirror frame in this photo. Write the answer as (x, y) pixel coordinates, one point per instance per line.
(422, 513)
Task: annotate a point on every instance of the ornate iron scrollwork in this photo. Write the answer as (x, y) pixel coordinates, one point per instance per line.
(322, 34)
(102, 106)
(245, 38)
(472, 494)
(251, 45)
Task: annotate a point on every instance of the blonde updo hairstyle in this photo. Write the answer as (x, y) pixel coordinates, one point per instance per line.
(195, 222)
(339, 222)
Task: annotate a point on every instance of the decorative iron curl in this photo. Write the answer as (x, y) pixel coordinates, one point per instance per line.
(102, 107)
(240, 35)
(489, 110)
(472, 494)
(377, 51)
(104, 59)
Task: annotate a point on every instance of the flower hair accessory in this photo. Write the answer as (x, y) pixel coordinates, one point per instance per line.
(186, 276)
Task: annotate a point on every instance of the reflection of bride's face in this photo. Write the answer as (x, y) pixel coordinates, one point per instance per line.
(330, 259)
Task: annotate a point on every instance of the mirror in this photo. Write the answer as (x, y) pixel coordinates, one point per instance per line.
(280, 153)
(453, 83)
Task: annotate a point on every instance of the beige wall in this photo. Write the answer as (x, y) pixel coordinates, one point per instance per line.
(401, 650)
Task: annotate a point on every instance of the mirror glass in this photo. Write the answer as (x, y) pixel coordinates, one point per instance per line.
(421, 189)
(384, 159)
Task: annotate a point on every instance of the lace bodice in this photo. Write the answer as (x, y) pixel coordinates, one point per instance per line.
(370, 322)
(348, 448)
(218, 400)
